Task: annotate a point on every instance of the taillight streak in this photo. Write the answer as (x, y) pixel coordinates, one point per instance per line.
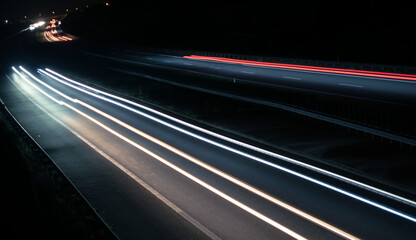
(363, 73)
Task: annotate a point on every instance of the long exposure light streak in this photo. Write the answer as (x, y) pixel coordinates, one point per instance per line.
(303, 176)
(216, 171)
(160, 159)
(363, 73)
(222, 137)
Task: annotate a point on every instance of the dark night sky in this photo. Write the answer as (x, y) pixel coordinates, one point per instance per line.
(369, 31)
(17, 9)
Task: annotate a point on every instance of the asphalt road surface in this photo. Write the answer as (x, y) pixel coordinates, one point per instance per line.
(135, 164)
(366, 87)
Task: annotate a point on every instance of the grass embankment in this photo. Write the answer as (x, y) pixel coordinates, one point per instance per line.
(39, 201)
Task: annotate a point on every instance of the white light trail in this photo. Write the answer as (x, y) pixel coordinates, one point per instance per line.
(210, 168)
(36, 25)
(162, 160)
(124, 169)
(36, 87)
(191, 177)
(251, 147)
(46, 85)
(303, 176)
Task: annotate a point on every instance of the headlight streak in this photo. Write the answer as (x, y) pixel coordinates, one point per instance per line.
(36, 87)
(122, 168)
(242, 144)
(46, 85)
(212, 169)
(323, 184)
(162, 160)
(36, 25)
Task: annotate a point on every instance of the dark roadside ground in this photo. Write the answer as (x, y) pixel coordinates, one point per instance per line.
(38, 201)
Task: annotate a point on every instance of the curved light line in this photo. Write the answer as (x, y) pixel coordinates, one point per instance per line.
(223, 174)
(251, 147)
(46, 85)
(208, 167)
(357, 197)
(181, 171)
(191, 177)
(36, 87)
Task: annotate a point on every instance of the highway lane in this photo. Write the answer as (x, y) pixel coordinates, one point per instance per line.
(201, 201)
(204, 134)
(344, 212)
(367, 87)
(253, 177)
(374, 88)
(239, 236)
(126, 206)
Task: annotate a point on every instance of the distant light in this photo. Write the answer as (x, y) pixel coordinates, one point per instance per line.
(76, 9)
(67, 10)
(53, 12)
(6, 21)
(25, 17)
(40, 14)
(35, 25)
(107, 4)
(87, 6)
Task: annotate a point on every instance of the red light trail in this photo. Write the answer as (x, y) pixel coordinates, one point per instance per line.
(364, 73)
(52, 35)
